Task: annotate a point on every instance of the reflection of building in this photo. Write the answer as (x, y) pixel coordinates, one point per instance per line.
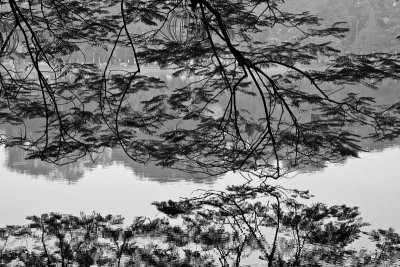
(73, 172)
(15, 161)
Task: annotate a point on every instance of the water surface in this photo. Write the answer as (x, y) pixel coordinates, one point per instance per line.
(117, 185)
(370, 182)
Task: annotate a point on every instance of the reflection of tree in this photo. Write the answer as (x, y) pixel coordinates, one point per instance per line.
(269, 225)
(299, 234)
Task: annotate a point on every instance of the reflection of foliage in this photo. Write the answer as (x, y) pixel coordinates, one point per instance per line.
(87, 240)
(387, 244)
(300, 233)
(215, 228)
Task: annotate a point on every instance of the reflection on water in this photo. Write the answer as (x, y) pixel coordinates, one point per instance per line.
(73, 172)
(388, 93)
(369, 182)
(115, 184)
(103, 240)
(112, 188)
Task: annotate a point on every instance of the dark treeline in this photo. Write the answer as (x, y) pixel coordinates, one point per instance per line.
(273, 226)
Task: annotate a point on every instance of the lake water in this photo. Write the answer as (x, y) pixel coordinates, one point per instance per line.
(116, 185)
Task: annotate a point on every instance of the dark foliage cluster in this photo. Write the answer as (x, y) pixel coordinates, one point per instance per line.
(63, 110)
(240, 227)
